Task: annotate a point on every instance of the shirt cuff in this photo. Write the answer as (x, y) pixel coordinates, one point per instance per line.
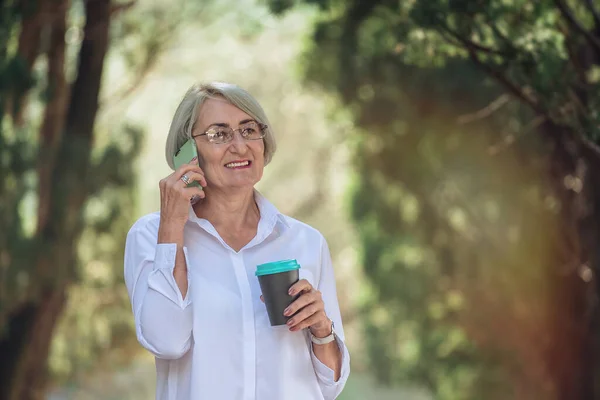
(325, 374)
(164, 263)
(164, 256)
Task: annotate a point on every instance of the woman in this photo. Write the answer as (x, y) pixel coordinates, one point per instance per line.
(189, 269)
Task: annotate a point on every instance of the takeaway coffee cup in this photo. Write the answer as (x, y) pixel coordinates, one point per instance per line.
(275, 279)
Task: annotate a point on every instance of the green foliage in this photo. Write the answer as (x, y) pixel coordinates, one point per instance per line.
(97, 328)
(98, 317)
(459, 227)
(16, 160)
(526, 46)
(96, 331)
(14, 77)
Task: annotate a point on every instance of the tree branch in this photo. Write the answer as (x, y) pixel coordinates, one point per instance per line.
(151, 57)
(576, 25)
(152, 48)
(450, 39)
(70, 171)
(574, 61)
(591, 150)
(115, 167)
(484, 112)
(592, 8)
(531, 126)
(118, 8)
(114, 100)
(499, 34)
(28, 49)
(470, 44)
(519, 93)
(86, 89)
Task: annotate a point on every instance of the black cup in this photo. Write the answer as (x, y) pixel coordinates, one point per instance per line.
(275, 280)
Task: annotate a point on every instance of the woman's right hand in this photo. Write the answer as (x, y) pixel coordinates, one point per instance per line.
(175, 197)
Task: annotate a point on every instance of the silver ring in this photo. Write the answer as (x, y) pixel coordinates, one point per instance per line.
(185, 179)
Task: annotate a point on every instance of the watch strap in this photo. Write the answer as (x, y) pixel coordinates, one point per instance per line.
(324, 340)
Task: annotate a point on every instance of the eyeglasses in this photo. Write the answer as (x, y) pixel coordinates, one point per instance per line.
(223, 134)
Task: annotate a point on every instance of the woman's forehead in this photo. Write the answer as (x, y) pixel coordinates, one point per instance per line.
(220, 111)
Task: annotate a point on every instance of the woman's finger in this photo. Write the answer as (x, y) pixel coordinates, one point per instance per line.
(301, 286)
(185, 169)
(174, 181)
(262, 298)
(303, 314)
(310, 321)
(193, 176)
(301, 302)
(193, 191)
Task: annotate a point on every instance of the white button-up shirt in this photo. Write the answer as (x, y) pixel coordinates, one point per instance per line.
(217, 343)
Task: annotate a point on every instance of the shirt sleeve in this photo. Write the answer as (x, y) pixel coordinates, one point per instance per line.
(325, 375)
(163, 318)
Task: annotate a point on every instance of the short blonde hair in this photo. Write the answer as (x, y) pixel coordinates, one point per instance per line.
(186, 115)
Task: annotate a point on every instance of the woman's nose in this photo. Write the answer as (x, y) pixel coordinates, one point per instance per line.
(239, 143)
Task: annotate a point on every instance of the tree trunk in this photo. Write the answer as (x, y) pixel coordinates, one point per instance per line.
(55, 112)
(572, 357)
(590, 228)
(35, 14)
(25, 346)
(25, 349)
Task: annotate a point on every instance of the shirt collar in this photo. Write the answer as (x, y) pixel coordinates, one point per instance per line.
(269, 216)
(267, 210)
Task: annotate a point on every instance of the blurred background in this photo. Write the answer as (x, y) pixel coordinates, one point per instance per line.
(446, 150)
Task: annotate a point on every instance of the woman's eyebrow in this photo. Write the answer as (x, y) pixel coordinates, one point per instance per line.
(226, 125)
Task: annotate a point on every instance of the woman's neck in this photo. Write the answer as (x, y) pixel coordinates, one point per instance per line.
(232, 211)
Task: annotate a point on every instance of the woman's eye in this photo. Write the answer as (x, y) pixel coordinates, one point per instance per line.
(218, 134)
(248, 131)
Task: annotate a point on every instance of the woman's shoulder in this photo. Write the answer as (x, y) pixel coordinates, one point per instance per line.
(146, 223)
(298, 226)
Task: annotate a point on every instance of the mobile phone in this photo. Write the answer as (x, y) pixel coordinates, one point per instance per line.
(185, 155)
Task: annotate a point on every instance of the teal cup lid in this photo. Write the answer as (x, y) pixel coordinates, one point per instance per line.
(276, 267)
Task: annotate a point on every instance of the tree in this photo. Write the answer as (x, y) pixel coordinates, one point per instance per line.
(446, 279)
(49, 164)
(68, 180)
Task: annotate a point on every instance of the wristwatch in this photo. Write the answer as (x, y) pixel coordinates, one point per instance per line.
(324, 340)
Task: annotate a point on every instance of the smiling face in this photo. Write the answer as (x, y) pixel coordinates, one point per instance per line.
(234, 165)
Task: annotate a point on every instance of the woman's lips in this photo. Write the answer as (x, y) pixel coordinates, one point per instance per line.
(238, 164)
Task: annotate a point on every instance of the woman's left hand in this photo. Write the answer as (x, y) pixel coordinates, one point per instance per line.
(309, 310)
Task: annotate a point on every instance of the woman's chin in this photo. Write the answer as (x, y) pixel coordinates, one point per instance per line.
(241, 184)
